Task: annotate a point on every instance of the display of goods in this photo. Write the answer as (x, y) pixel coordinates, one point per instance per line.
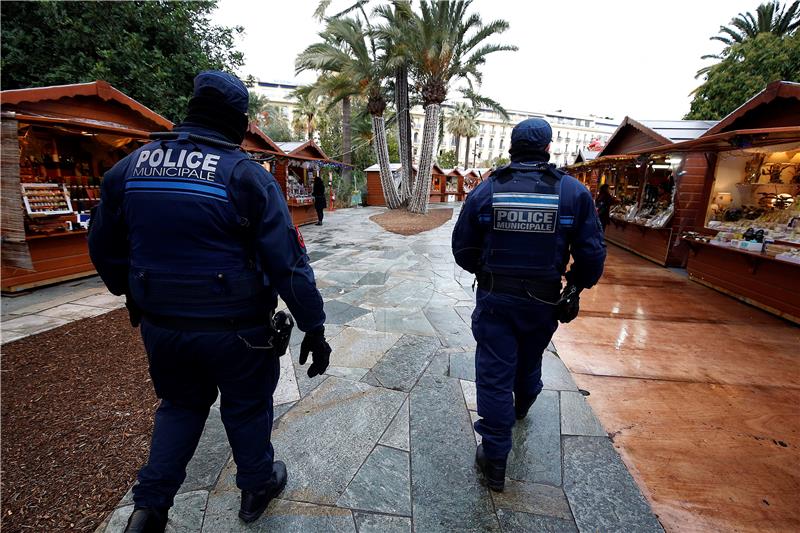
(44, 199)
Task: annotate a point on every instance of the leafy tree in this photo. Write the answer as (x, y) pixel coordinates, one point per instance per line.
(499, 161)
(770, 17)
(151, 50)
(747, 68)
(448, 159)
(256, 105)
(273, 122)
(448, 45)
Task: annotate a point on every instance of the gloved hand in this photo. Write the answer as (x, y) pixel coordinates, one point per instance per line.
(134, 313)
(314, 342)
(568, 304)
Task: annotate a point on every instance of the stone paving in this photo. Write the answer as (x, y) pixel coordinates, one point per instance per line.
(383, 442)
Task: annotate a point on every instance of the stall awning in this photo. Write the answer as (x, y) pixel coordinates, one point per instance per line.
(96, 105)
(731, 140)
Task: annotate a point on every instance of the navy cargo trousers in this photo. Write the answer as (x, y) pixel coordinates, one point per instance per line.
(187, 369)
(511, 333)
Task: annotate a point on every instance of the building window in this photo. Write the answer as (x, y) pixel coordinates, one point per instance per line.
(491, 142)
(501, 143)
(559, 135)
(416, 137)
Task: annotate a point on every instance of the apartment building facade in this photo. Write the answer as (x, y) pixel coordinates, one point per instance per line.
(571, 132)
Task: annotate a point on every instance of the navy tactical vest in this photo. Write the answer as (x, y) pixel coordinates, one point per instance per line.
(189, 252)
(530, 223)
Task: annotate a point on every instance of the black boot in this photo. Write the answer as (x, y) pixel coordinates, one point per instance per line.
(493, 471)
(254, 503)
(522, 406)
(147, 520)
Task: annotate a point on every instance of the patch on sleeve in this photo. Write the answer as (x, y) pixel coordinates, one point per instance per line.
(300, 239)
(525, 212)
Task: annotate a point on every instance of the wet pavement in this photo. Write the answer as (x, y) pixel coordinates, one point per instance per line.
(700, 392)
(384, 441)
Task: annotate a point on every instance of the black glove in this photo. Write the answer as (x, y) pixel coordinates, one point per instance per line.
(134, 313)
(315, 343)
(569, 304)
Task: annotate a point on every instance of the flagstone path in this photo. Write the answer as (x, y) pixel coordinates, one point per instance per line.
(383, 442)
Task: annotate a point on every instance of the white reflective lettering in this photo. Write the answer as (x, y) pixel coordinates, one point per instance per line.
(210, 162)
(143, 155)
(156, 157)
(193, 159)
(167, 162)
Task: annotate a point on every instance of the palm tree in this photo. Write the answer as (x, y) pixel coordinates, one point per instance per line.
(770, 17)
(460, 122)
(448, 45)
(347, 51)
(393, 37)
(306, 110)
(463, 122)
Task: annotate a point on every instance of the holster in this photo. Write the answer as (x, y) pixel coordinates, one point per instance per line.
(282, 325)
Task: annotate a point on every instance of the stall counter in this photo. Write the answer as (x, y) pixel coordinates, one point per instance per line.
(756, 278)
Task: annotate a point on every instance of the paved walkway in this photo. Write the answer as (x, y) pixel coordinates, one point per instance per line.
(383, 442)
(700, 391)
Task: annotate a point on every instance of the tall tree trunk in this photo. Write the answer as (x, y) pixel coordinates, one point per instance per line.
(347, 141)
(466, 155)
(390, 193)
(458, 145)
(404, 129)
(422, 185)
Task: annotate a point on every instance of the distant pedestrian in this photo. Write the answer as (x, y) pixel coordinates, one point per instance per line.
(603, 203)
(320, 200)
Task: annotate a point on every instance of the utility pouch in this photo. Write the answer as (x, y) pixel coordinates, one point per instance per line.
(282, 325)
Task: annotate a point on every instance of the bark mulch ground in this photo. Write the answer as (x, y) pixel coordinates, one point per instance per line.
(404, 223)
(77, 414)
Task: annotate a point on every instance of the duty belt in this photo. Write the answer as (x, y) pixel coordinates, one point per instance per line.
(545, 291)
(207, 324)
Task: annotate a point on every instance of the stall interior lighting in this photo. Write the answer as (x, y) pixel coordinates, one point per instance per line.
(661, 167)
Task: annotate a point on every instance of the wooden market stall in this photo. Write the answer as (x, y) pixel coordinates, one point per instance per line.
(583, 171)
(658, 191)
(375, 188)
(454, 185)
(439, 184)
(295, 171)
(56, 144)
(745, 237)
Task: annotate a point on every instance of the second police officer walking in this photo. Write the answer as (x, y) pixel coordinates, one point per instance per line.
(516, 233)
(200, 240)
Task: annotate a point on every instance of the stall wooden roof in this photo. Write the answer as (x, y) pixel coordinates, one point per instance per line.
(307, 149)
(256, 140)
(453, 172)
(392, 166)
(778, 105)
(584, 156)
(96, 106)
(637, 135)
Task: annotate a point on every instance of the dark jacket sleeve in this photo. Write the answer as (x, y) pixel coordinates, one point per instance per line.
(588, 248)
(468, 234)
(257, 196)
(108, 234)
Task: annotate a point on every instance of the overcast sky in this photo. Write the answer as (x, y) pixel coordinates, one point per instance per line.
(609, 58)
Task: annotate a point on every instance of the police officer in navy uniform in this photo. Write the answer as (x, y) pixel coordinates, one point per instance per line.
(200, 240)
(516, 233)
